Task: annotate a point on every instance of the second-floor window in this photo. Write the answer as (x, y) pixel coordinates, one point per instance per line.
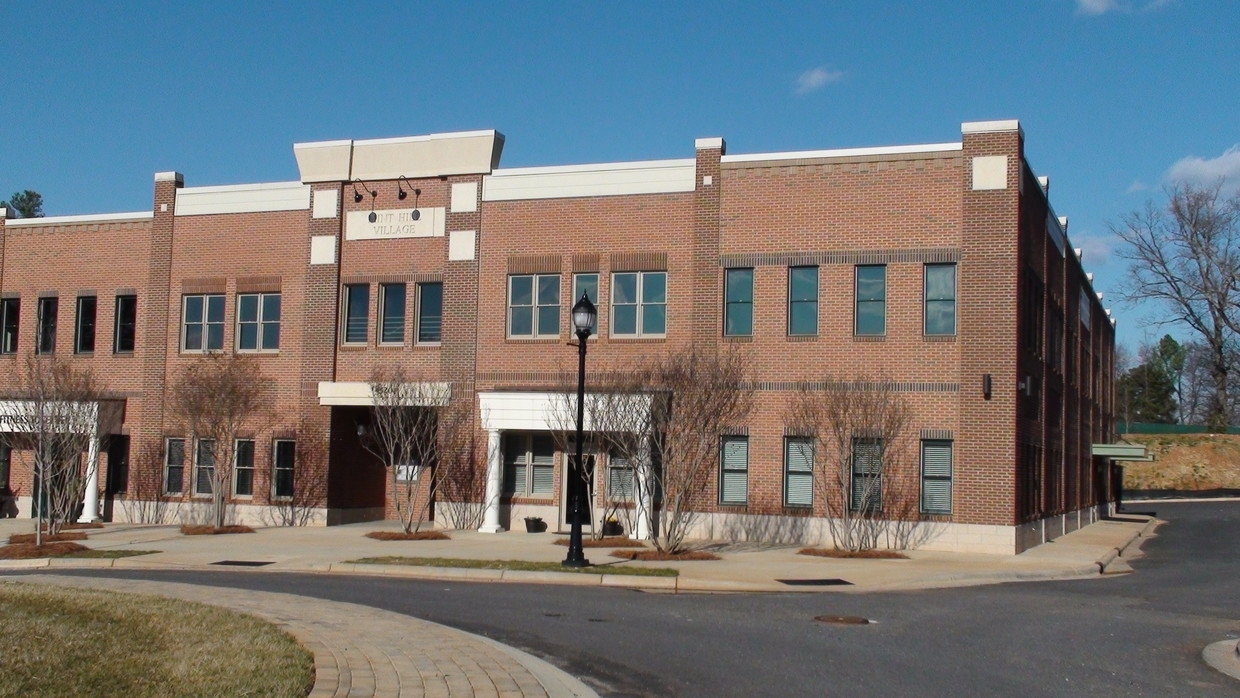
(391, 313)
(534, 305)
(356, 312)
(258, 321)
(10, 311)
(125, 332)
(203, 323)
(802, 301)
(45, 340)
(587, 284)
(84, 332)
(639, 304)
(940, 295)
(871, 294)
(430, 313)
(738, 303)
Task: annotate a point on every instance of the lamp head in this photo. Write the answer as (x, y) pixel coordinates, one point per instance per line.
(584, 315)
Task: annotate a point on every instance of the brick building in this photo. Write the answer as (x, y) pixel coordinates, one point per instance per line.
(941, 267)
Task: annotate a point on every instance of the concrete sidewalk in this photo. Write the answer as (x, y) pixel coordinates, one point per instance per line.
(362, 651)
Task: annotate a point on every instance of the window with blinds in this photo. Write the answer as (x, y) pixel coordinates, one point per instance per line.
(867, 475)
(529, 465)
(936, 477)
(798, 472)
(734, 470)
(619, 479)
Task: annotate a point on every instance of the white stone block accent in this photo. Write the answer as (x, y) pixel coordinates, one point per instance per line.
(323, 249)
(326, 203)
(465, 197)
(461, 245)
(990, 172)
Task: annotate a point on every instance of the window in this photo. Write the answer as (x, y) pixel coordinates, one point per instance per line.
(738, 303)
(243, 470)
(6, 461)
(940, 299)
(639, 304)
(125, 332)
(174, 466)
(936, 477)
(84, 333)
(871, 300)
(356, 312)
(203, 325)
(430, 313)
(258, 322)
(587, 284)
(10, 309)
(534, 305)
(283, 457)
(529, 465)
(798, 472)
(620, 484)
(45, 340)
(867, 475)
(204, 467)
(802, 301)
(734, 470)
(391, 313)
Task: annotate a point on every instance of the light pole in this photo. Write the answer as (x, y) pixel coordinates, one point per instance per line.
(584, 315)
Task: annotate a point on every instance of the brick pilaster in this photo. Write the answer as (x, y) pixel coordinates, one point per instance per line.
(319, 329)
(707, 301)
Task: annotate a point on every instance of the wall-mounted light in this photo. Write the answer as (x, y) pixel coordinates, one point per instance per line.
(986, 386)
(357, 197)
(402, 194)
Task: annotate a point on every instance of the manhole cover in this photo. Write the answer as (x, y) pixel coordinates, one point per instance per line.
(843, 620)
(242, 563)
(815, 582)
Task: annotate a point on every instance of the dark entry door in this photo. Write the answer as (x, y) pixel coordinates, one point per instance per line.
(118, 472)
(579, 483)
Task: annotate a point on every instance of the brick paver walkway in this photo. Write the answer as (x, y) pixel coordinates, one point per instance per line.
(363, 651)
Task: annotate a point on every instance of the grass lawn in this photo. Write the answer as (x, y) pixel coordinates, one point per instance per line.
(79, 642)
(523, 565)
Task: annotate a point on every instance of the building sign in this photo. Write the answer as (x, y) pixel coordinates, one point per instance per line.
(394, 223)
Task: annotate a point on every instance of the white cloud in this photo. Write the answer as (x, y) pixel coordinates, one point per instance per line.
(1096, 249)
(1136, 186)
(1197, 170)
(1096, 7)
(816, 79)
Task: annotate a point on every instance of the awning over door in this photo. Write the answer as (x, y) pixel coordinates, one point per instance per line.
(1128, 452)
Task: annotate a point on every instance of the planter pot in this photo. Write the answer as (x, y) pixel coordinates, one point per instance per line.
(534, 524)
(613, 528)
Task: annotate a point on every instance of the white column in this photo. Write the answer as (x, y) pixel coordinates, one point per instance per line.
(495, 474)
(645, 493)
(90, 509)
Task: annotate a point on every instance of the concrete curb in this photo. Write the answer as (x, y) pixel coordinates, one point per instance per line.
(1224, 656)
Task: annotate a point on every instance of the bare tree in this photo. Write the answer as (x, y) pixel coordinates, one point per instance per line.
(54, 413)
(218, 399)
(863, 454)
(462, 486)
(1186, 258)
(144, 501)
(298, 492)
(415, 432)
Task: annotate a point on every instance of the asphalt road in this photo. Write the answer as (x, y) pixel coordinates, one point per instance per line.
(1130, 635)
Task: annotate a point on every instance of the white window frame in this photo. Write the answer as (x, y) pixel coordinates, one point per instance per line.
(949, 478)
(535, 307)
(261, 322)
(789, 473)
(640, 304)
(618, 467)
(205, 323)
(236, 469)
(576, 296)
(199, 467)
(525, 488)
(927, 300)
(725, 470)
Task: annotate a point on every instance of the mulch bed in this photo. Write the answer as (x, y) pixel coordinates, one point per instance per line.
(608, 542)
(656, 556)
(853, 554)
(22, 538)
(187, 530)
(78, 526)
(401, 535)
(30, 551)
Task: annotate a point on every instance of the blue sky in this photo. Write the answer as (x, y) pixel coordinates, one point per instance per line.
(1117, 97)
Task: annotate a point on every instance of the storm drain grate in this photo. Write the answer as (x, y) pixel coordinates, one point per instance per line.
(843, 620)
(242, 563)
(815, 582)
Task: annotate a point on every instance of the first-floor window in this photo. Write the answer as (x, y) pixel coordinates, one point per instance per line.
(258, 321)
(6, 459)
(619, 479)
(936, 477)
(243, 470)
(430, 313)
(203, 323)
(529, 465)
(125, 332)
(84, 333)
(282, 460)
(174, 466)
(734, 470)
(204, 466)
(798, 472)
(9, 311)
(867, 475)
(45, 340)
(391, 313)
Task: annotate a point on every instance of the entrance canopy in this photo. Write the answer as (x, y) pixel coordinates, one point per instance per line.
(1126, 452)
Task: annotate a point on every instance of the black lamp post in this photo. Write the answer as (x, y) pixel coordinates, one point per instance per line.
(584, 315)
